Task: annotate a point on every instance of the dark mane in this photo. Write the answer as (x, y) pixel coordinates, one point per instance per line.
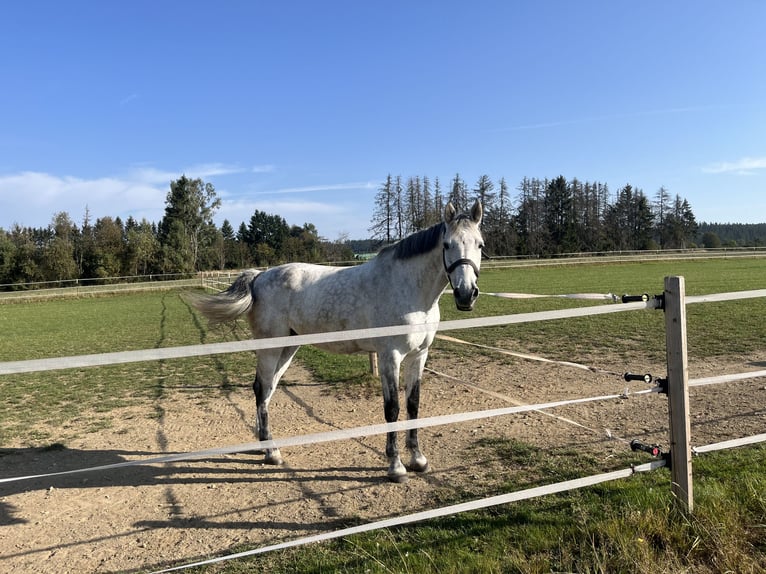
(417, 243)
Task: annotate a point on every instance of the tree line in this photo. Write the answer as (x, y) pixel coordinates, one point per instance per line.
(713, 235)
(184, 241)
(545, 217)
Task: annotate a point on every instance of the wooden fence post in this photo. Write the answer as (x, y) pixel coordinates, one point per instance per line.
(374, 364)
(678, 392)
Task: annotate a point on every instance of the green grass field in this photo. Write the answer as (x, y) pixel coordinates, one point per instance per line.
(627, 526)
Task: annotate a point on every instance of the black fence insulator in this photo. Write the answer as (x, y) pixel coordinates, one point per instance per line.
(652, 449)
(659, 300)
(647, 378)
(635, 298)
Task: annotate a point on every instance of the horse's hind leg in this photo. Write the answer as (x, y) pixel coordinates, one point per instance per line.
(272, 364)
(413, 373)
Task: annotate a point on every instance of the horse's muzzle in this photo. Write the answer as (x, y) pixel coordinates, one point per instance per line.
(465, 298)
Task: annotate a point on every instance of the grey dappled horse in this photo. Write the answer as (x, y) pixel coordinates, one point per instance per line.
(400, 286)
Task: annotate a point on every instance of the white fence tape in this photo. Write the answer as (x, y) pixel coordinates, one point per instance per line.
(754, 439)
(50, 364)
(587, 296)
(528, 357)
(726, 378)
(730, 296)
(371, 430)
(329, 436)
(438, 512)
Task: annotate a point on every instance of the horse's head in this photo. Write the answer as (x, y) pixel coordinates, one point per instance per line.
(462, 253)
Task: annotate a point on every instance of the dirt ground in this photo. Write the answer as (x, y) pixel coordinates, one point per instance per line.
(148, 517)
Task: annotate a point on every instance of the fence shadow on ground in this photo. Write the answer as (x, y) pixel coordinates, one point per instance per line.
(230, 469)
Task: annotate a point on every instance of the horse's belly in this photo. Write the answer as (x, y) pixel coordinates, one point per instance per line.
(342, 347)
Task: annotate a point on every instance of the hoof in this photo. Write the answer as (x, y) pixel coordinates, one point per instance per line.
(273, 458)
(398, 478)
(396, 472)
(420, 467)
(419, 464)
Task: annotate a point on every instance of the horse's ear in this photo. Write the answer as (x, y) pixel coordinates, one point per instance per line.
(476, 212)
(449, 212)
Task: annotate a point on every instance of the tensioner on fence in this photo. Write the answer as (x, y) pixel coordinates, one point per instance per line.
(653, 449)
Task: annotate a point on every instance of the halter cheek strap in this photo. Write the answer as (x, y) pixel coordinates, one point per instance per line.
(455, 264)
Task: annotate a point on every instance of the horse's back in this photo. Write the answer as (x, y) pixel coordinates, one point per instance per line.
(306, 298)
(302, 298)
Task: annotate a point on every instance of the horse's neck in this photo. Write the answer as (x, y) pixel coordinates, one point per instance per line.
(425, 275)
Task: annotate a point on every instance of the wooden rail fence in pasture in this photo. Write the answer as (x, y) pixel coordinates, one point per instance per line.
(672, 301)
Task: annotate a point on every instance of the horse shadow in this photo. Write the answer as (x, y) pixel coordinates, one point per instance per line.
(58, 467)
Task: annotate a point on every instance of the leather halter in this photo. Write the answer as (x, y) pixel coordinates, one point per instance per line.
(455, 264)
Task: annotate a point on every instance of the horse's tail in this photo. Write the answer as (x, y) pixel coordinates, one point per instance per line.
(227, 305)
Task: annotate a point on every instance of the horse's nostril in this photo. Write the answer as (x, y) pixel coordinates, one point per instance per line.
(475, 293)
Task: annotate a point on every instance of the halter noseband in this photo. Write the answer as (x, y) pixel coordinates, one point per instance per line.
(455, 264)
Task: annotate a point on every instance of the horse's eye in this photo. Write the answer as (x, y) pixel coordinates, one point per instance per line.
(446, 245)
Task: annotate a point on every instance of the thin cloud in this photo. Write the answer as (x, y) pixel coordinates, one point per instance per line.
(242, 208)
(212, 169)
(744, 166)
(127, 99)
(318, 188)
(156, 176)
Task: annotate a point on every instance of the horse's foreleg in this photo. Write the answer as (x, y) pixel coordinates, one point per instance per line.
(389, 378)
(271, 366)
(413, 373)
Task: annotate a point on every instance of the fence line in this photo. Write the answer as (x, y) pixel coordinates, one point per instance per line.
(102, 359)
(528, 357)
(330, 436)
(489, 502)
(371, 430)
(513, 401)
(480, 504)
(198, 350)
(510, 262)
(753, 439)
(726, 378)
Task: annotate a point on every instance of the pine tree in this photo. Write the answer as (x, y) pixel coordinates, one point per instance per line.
(661, 210)
(630, 221)
(414, 213)
(559, 216)
(459, 194)
(399, 208)
(439, 204)
(430, 214)
(188, 224)
(484, 192)
(383, 215)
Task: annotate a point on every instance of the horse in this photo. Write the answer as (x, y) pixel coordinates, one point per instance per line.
(401, 285)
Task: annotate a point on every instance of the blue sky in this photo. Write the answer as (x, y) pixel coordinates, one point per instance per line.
(303, 108)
